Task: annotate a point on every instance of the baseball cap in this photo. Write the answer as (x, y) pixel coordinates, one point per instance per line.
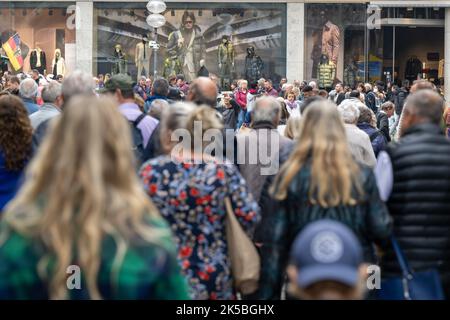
(326, 250)
(118, 81)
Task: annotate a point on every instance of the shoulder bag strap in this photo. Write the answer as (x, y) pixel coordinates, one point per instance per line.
(406, 271)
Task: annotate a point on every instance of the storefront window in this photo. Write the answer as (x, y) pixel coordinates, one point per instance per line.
(232, 41)
(38, 35)
(334, 43)
(410, 45)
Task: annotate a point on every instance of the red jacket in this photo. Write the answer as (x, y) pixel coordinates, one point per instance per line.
(241, 98)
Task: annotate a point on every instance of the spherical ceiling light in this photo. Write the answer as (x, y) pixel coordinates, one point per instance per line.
(156, 6)
(156, 20)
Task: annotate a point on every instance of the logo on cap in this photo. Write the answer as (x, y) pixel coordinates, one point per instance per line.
(326, 247)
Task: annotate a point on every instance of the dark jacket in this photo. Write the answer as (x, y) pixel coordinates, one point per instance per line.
(10, 182)
(376, 137)
(340, 97)
(399, 100)
(369, 219)
(383, 125)
(420, 200)
(371, 101)
(33, 60)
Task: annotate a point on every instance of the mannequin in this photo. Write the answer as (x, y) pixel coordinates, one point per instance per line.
(58, 64)
(326, 72)
(253, 66)
(120, 62)
(331, 39)
(351, 74)
(142, 57)
(3, 61)
(38, 60)
(225, 55)
(188, 44)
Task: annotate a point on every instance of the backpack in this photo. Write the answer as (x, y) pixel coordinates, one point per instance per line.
(137, 139)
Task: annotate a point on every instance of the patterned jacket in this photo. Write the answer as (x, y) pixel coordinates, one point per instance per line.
(326, 74)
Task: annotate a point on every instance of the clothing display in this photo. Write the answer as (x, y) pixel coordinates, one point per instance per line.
(3, 61)
(331, 41)
(225, 56)
(58, 64)
(413, 68)
(441, 69)
(142, 58)
(253, 66)
(188, 46)
(172, 66)
(120, 61)
(326, 73)
(38, 60)
(351, 74)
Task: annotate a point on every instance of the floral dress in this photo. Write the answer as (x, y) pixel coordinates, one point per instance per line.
(191, 198)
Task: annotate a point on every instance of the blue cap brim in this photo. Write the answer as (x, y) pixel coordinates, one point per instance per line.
(344, 274)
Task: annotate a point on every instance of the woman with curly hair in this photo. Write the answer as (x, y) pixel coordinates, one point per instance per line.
(15, 145)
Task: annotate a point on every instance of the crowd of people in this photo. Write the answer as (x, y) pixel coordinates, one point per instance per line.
(92, 174)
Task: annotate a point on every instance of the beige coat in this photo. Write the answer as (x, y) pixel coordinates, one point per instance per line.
(360, 146)
(331, 41)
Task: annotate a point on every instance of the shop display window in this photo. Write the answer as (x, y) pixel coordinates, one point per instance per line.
(38, 35)
(334, 43)
(231, 41)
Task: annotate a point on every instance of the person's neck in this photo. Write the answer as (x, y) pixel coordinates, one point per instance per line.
(125, 101)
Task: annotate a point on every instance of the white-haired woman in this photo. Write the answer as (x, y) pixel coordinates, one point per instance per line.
(358, 140)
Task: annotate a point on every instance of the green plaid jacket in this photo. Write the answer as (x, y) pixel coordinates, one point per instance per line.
(148, 271)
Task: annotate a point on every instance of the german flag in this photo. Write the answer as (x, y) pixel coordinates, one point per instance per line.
(13, 51)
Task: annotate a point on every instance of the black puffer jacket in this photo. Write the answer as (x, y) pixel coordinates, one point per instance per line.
(420, 200)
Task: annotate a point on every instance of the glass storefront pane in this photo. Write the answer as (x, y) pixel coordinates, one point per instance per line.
(411, 43)
(245, 25)
(334, 43)
(39, 30)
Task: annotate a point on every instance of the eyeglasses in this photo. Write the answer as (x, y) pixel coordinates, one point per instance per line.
(188, 21)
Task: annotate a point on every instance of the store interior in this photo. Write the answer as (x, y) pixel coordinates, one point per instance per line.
(43, 27)
(411, 47)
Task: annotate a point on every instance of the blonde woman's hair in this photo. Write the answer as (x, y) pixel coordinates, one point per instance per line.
(208, 118)
(334, 173)
(80, 187)
(292, 128)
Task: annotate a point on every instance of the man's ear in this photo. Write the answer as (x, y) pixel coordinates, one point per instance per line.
(362, 271)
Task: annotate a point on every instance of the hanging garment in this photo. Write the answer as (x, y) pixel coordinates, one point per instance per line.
(58, 65)
(441, 68)
(326, 73)
(331, 41)
(38, 60)
(413, 69)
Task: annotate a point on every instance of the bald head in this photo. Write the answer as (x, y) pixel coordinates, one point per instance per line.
(422, 85)
(424, 106)
(203, 91)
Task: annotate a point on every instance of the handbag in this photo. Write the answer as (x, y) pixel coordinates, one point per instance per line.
(245, 260)
(423, 285)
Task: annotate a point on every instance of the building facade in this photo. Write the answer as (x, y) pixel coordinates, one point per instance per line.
(387, 40)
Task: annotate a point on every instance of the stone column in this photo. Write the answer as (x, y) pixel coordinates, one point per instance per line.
(84, 35)
(295, 38)
(447, 54)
